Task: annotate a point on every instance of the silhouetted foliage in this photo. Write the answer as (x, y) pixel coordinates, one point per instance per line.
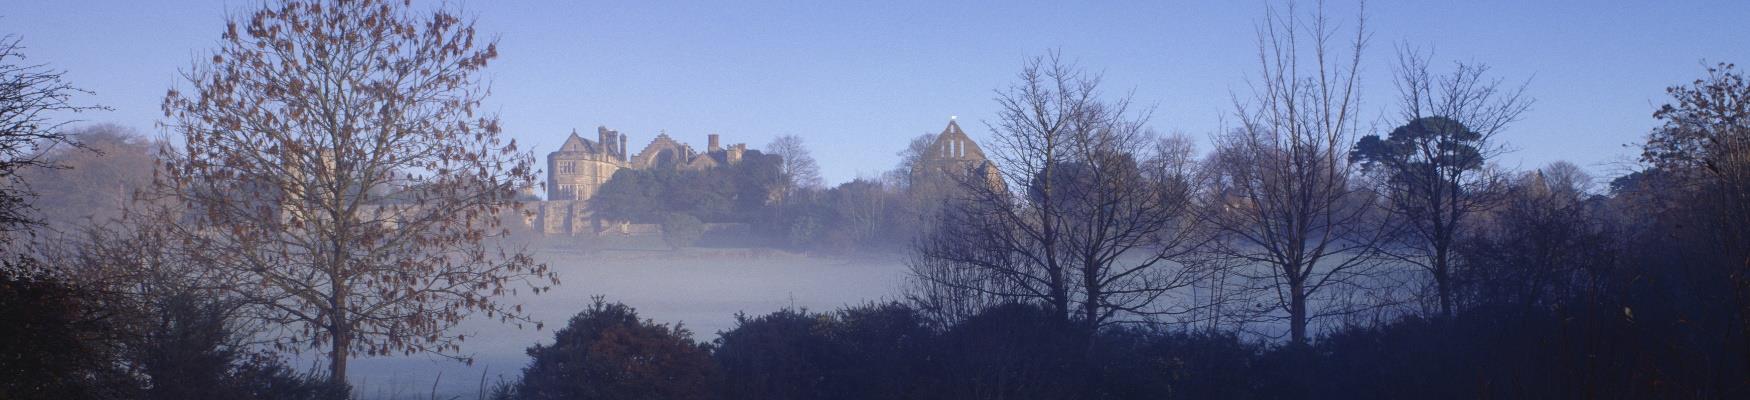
(1016, 351)
(607, 352)
(70, 342)
(188, 350)
(782, 355)
(1138, 363)
(59, 343)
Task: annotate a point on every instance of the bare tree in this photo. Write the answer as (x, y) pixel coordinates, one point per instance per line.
(335, 159)
(30, 95)
(911, 158)
(1282, 192)
(1097, 226)
(1433, 170)
(798, 169)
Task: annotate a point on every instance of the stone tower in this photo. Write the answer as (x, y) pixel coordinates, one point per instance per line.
(581, 166)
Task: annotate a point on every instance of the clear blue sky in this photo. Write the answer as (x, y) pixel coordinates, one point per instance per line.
(858, 79)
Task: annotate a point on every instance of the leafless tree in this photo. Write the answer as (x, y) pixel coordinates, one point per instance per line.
(1283, 197)
(335, 158)
(911, 158)
(31, 94)
(1433, 170)
(1078, 213)
(798, 169)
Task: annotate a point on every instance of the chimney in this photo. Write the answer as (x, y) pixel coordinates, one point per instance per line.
(605, 137)
(712, 139)
(623, 156)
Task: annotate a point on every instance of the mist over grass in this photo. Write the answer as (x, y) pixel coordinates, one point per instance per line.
(701, 287)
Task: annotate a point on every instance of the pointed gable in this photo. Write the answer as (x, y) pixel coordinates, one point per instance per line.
(953, 144)
(576, 144)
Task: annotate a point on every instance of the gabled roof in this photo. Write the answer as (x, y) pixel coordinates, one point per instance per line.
(953, 143)
(575, 144)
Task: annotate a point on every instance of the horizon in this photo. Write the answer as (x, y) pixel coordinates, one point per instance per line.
(858, 82)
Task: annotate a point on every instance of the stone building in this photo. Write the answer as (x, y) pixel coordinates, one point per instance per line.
(581, 166)
(953, 156)
(665, 152)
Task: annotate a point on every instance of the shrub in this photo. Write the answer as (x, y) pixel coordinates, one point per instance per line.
(782, 355)
(607, 352)
(1017, 351)
(57, 344)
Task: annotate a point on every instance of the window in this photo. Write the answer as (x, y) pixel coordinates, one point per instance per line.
(568, 167)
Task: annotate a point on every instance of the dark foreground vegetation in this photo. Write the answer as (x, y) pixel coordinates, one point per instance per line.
(1304, 256)
(889, 351)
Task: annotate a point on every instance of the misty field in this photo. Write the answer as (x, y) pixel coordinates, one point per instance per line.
(701, 287)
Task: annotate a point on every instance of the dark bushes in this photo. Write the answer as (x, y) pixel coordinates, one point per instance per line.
(65, 342)
(1018, 351)
(57, 344)
(607, 352)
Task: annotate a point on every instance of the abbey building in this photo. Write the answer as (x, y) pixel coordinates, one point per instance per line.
(577, 171)
(581, 166)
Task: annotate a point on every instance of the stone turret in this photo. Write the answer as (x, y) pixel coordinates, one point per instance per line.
(711, 143)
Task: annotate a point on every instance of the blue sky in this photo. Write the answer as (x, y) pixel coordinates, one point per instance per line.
(858, 79)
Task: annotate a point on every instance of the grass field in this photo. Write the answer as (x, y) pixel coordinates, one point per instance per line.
(700, 287)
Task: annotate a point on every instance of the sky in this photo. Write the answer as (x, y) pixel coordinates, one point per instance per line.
(857, 80)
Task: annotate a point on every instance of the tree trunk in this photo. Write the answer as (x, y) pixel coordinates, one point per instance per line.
(338, 355)
(342, 336)
(1443, 280)
(1091, 312)
(1060, 300)
(1297, 312)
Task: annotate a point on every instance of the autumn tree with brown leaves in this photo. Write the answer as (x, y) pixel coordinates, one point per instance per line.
(335, 158)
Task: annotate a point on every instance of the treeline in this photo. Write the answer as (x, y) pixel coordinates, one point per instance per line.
(778, 194)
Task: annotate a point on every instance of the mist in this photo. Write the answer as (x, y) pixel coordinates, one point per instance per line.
(333, 201)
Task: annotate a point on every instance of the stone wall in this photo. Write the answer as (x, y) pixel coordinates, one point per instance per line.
(572, 218)
(561, 217)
